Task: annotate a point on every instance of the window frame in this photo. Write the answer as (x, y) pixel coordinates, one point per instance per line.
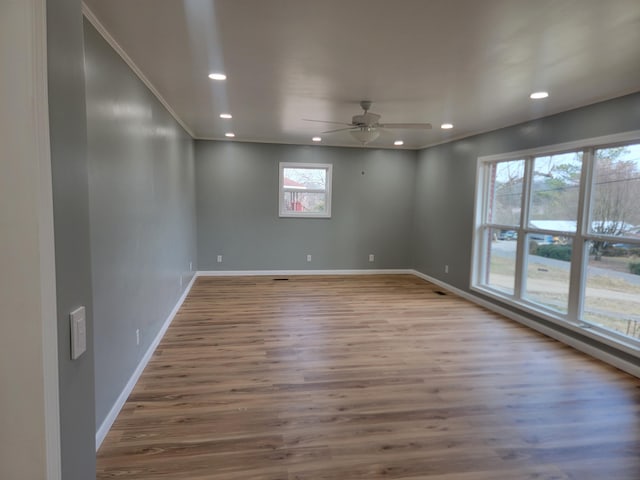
(572, 319)
(327, 191)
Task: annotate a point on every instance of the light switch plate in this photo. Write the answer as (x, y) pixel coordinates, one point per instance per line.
(78, 319)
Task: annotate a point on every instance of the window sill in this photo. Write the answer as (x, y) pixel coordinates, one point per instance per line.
(298, 215)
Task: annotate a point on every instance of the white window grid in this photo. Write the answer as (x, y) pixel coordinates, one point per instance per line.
(580, 239)
(327, 167)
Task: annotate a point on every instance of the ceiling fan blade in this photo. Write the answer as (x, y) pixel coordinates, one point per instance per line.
(341, 129)
(417, 126)
(325, 121)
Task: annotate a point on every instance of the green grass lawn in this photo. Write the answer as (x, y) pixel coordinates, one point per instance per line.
(610, 301)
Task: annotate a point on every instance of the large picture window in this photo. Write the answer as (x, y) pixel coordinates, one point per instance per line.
(305, 190)
(557, 233)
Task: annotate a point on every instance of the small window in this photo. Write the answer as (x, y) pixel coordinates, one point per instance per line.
(305, 190)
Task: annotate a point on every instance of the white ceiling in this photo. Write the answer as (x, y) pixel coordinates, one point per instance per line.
(469, 62)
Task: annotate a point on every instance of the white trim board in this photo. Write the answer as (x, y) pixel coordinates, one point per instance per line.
(273, 273)
(47, 246)
(29, 324)
(583, 347)
(126, 391)
(93, 20)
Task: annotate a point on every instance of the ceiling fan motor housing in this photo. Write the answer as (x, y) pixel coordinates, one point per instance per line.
(367, 119)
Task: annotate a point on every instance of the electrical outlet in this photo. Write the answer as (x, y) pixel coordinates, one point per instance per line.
(308, 258)
(446, 269)
(372, 257)
(137, 336)
(219, 258)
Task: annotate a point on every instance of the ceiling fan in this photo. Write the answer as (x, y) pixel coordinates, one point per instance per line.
(366, 127)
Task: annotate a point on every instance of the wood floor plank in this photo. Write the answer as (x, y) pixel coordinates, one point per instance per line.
(366, 377)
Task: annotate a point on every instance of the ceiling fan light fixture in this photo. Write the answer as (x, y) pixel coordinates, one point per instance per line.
(365, 135)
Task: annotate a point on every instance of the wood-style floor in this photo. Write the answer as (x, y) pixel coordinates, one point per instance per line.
(367, 377)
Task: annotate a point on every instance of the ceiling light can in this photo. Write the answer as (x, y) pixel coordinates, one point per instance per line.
(539, 95)
(217, 76)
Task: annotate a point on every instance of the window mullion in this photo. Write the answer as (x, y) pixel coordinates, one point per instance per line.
(521, 250)
(489, 206)
(577, 277)
(479, 275)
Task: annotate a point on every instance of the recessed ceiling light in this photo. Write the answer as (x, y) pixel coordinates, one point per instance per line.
(446, 126)
(217, 76)
(316, 139)
(225, 115)
(230, 134)
(398, 143)
(539, 95)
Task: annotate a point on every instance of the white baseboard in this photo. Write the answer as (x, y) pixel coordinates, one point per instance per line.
(122, 398)
(274, 273)
(590, 350)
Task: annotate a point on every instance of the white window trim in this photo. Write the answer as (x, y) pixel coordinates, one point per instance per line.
(582, 234)
(327, 191)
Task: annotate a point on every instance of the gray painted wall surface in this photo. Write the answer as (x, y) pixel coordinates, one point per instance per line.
(142, 213)
(445, 180)
(237, 209)
(67, 117)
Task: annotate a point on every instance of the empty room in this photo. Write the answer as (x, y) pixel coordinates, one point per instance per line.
(307, 240)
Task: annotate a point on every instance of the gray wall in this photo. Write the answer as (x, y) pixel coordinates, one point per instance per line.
(67, 117)
(445, 180)
(142, 215)
(237, 208)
